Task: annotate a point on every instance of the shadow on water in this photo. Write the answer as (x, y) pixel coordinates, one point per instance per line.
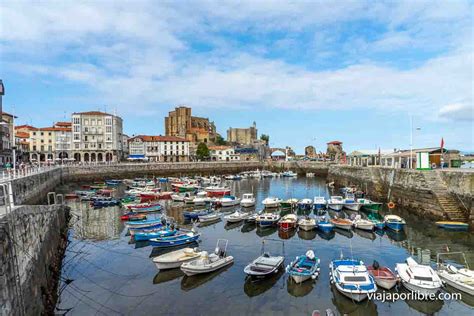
(189, 283)
(346, 306)
(428, 307)
(299, 290)
(156, 251)
(307, 234)
(286, 234)
(365, 234)
(167, 275)
(248, 227)
(344, 232)
(217, 220)
(326, 235)
(231, 226)
(255, 287)
(266, 231)
(396, 236)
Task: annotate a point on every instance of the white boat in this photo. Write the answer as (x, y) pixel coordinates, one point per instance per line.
(319, 202)
(248, 200)
(351, 203)
(237, 216)
(418, 278)
(461, 279)
(336, 203)
(229, 200)
(305, 204)
(201, 198)
(176, 258)
(394, 222)
(304, 267)
(351, 279)
(251, 218)
(264, 265)
(177, 197)
(211, 217)
(271, 202)
(307, 223)
(363, 224)
(267, 219)
(289, 174)
(208, 263)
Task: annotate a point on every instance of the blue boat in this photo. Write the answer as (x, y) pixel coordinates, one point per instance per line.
(304, 267)
(105, 203)
(324, 224)
(394, 222)
(176, 240)
(163, 180)
(195, 214)
(147, 235)
(144, 224)
(451, 225)
(113, 182)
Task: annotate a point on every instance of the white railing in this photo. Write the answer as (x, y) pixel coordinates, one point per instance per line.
(12, 174)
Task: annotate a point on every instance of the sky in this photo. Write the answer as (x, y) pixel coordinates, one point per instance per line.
(307, 72)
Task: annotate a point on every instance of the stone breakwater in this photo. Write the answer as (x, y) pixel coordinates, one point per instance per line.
(32, 244)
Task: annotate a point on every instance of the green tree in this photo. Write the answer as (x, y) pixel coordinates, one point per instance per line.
(220, 141)
(265, 137)
(202, 152)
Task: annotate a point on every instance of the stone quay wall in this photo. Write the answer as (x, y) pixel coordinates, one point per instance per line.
(32, 244)
(461, 184)
(300, 167)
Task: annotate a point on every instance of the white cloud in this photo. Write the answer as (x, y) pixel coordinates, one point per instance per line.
(457, 112)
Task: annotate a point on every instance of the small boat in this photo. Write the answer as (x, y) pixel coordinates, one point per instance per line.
(271, 202)
(342, 223)
(418, 278)
(183, 187)
(176, 258)
(319, 202)
(304, 267)
(105, 203)
(289, 174)
(196, 213)
(324, 223)
(229, 200)
(141, 236)
(210, 217)
(131, 216)
(460, 278)
(307, 223)
(208, 263)
(394, 222)
(289, 203)
(233, 177)
(451, 225)
(351, 279)
(363, 224)
(267, 219)
(217, 191)
(375, 218)
(201, 198)
(248, 200)
(144, 224)
(305, 204)
(237, 216)
(252, 218)
(145, 207)
(336, 203)
(288, 222)
(383, 276)
(177, 197)
(264, 266)
(351, 203)
(175, 240)
(369, 205)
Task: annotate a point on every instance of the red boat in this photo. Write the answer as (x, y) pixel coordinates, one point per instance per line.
(383, 276)
(165, 195)
(288, 222)
(217, 191)
(133, 217)
(71, 196)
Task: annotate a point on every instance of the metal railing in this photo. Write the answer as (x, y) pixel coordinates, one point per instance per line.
(12, 174)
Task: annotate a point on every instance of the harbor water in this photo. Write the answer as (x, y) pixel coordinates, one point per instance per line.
(105, 272)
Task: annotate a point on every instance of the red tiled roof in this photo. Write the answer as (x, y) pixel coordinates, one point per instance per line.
(25, 126)
(219, 147)
(22, 134)
(52, 129)
(149, 138)
(335, 142)
(63, 124)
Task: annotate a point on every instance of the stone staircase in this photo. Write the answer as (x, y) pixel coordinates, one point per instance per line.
(448, 203)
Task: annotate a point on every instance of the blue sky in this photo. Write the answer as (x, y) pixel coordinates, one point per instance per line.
(306, 72)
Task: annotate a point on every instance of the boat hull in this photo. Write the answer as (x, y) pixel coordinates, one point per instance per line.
(353, 206)
(421, 290)
(448, 280)
(307, 227)
(457, 226)
(191, 270)
(395, 226)
(247, 204)
(173, 265)
(335, 207)
(319, 206)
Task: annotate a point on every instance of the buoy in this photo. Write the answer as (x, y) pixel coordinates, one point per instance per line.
(391, 205)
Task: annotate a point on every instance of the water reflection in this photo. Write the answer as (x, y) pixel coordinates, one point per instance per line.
(189, 283)
(255, 287)
(299, 290)
(167, 275)
(365, 234)
(346, 306)
(231, 226)
(344, 232)
(326, 235)
(396, 236)
(248, 227)
(286, 234)
(266, 231)
(307, 234)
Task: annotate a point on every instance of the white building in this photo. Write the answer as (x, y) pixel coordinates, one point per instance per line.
(223, 153)
(97, 136)
(158, 148)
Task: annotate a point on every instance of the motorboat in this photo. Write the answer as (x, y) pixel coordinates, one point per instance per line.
(201, 198)
(289, 174)
(383, 276)
(145, 207)
(196, 213)
(453, 225)
(176, 258)
(248, 200)
(319, 202)
(341, 223)
(307, 223)
(264, 266)
(147, 235)
(363, 224)
(131, 216)
(267, 219)
(237, 216)
(288, 222)
(271, 202)
(394, 222)
(217, 191)
(336, 203)
(369, 205)
(418, 278)
(210, 217)
(324, 223)
(175, 240)
(377, 220)
(291, 202)
(229, 200)
(251, 218)
(305, 204)
(460, 278)
(351, 203)
(177, 197)
(209, 262)
(151, 223)
(304, 267)
(351, 278)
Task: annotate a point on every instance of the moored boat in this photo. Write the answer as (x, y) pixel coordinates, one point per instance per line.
(209, 262)
(418, 278)
(271, 202)
(363, 224)
(176, 240)
(217, 191)
(291, 202)
(267, 219)
(237, 216)
(453, 225)
(351, 203)
(196, 213)
(370, 205)
(304, 267)
(459, 277)
(210, 217)
(248, 200)
(336, 203)
(288, 222)
(305, 204)
(229, 200)
(394, 222)
(341, 223)
(176, 258)
(146, 235)
(319, 202)
(383, 276)
(145, 207)
(307, 223)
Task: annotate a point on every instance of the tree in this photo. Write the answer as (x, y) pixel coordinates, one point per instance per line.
(202, 152)
(220, 141)
(265, 137)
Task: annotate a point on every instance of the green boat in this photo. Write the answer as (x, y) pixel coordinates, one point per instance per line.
(370, 205)
(377, 219)
(289, 203)
(128, 200)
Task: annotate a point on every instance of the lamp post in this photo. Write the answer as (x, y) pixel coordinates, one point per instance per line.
(411, 141)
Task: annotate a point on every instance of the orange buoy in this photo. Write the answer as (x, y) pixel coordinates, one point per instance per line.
(391, 205)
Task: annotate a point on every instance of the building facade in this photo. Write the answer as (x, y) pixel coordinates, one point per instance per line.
(97, 137)
(242, 136)
(223, 153)
(158, 148)
(334, 150)
(180, 123)
(7, 138)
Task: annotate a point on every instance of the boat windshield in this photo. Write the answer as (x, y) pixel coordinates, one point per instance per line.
(420, 278)
(355, 279)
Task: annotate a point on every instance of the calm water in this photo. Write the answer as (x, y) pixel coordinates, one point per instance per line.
(111, 275)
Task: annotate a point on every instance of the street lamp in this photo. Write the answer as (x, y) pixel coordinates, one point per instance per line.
(411, 141)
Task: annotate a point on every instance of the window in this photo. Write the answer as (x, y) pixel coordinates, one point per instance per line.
(76, 120)
(92, 121)
(86, 122)
(76, 136)
(42, 141)
(77, 128)
(49, 134)
(34, 133)
(86, 146)
(108, 129)
(34, 148)
(85, 138)
(99, 122)
(108, 121)
(42, 148)
(354, 279)
(42, 134)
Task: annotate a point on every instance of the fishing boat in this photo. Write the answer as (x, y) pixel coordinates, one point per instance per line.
(271, 202)
(460, 278)
(324, 223)
(369, 205)
(237, 216)
(289, 174)
(452, 225)
(176, 258)
(144, 224)
(341, 223)
(319, 202)
(350, 202)
(351, 278)
(267, 219)
(394, 222)
(307, 223)
(145, 207)
(304, 267)
(210, 217)
(363, 224)
(289, 203)
(248, 200)
(383, 276)
(336, 203)
(305, 204)
(217, 191)
(209, 262)
(418, 278)
(229, 200)
(288, 222)
(175, 240)
(147, 235)
(265, 265)
(196, 213)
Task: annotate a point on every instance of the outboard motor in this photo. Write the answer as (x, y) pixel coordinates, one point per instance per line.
(375, 265)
